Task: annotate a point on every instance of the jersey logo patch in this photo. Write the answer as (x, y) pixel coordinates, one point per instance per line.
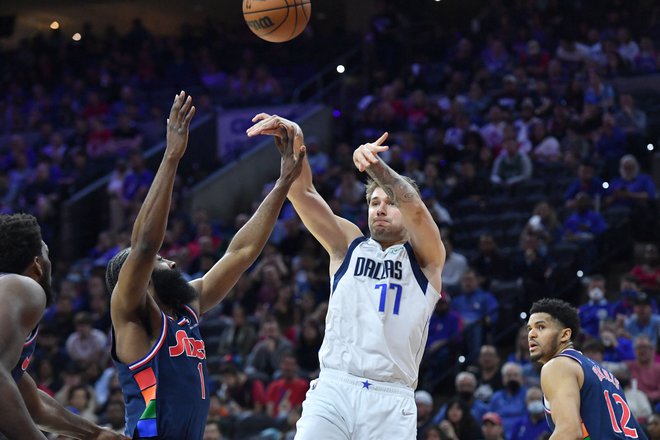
(190, 346)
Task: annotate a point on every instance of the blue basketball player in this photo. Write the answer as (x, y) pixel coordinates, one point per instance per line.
(157, 346)
(582, 399)
(24, 293)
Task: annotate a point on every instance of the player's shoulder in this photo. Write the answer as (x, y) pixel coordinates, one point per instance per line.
(561, 364)
(11, 284)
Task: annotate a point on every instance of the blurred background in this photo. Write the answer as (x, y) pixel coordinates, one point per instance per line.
(531, 127)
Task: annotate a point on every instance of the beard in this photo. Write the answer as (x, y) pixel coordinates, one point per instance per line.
(172, 290)
(386, 233)
(542, 352)
(45, 284)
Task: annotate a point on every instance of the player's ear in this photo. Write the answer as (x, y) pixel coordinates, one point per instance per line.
(566, 335)
(36, 267)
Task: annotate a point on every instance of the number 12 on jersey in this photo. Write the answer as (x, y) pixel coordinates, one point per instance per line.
(383, 296)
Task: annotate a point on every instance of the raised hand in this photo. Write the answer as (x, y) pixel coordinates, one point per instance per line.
(367, 154)
(178, 125)
(278, 127)
(291, 163)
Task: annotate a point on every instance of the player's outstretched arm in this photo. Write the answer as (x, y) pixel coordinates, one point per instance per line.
(23, 301)
(51, 416)
(560, 381)
(424, 233)
(130, 293)
(333, 232)
(251, 238)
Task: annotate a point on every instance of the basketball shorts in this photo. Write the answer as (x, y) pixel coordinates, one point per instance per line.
(340, 406)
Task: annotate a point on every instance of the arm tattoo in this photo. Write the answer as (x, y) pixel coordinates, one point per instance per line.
(397, 188)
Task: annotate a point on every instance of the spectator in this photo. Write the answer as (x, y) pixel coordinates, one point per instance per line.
(648, 273)
(520, 354)
(611, 145)
(618, 347)
(424, 403)
(455, 266)
(646, 60)
(212, 431)
(479, 310)
(631, 119)
(488, 372)
(644, 321)
(239, 337)
(458, 423)
(585, 182)
(266, 355)
(637, 400)
(544, 225)
(584, 227)
(491, 427)
(288, 392)
(244, 394)
(114, 416)
(309, 344)
(444, 326)
(465, 384)
(490, 263)
(597, 308)
(653, 427)
(87, 344)
(80, 402)
(532, 425)
(509, 403)
(545, 147)
(511, 166)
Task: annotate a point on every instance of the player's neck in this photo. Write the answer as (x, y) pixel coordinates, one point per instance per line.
(565, 346)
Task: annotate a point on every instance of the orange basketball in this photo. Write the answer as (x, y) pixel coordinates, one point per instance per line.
(277, 20)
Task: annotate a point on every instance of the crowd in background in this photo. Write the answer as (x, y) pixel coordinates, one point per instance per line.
(529, 158)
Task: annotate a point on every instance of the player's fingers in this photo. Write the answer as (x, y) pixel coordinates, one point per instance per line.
(377, 148)
(260, 117)
(381, 139)
(175, 104)
(266, 122)
(186, 107)
(370, 156)
(189, 116)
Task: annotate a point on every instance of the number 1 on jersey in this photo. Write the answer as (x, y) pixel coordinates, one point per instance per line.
(383, 296)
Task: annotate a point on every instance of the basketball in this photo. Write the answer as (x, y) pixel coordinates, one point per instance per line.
(277, 21)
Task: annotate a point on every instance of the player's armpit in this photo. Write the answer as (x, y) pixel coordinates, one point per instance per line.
(560, 381)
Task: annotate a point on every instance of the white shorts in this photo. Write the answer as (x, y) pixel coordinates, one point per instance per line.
(340, 406)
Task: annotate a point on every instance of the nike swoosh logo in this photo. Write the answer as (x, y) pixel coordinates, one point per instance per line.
(406, 413)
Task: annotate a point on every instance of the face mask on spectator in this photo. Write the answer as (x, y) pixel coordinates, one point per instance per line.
(513, 386)
(535, 407)
(596, 294)
(465, 396)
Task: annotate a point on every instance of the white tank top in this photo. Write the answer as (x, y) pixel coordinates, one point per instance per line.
(378, 314)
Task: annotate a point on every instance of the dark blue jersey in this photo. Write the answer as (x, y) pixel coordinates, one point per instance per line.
(26, 355)
(603, 408)
(166, 392)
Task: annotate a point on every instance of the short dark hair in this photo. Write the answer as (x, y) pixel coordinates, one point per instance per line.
(114, 266)
(20, 242)
(563, 312)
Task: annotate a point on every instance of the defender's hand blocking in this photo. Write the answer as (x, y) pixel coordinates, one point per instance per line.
(178, 125)
(291, 163)
(280, 128)
(367, 154)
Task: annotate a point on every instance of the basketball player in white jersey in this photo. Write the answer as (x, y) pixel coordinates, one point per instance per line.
(383, 291)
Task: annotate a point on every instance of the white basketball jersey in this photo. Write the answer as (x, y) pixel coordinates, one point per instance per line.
(378, 314)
